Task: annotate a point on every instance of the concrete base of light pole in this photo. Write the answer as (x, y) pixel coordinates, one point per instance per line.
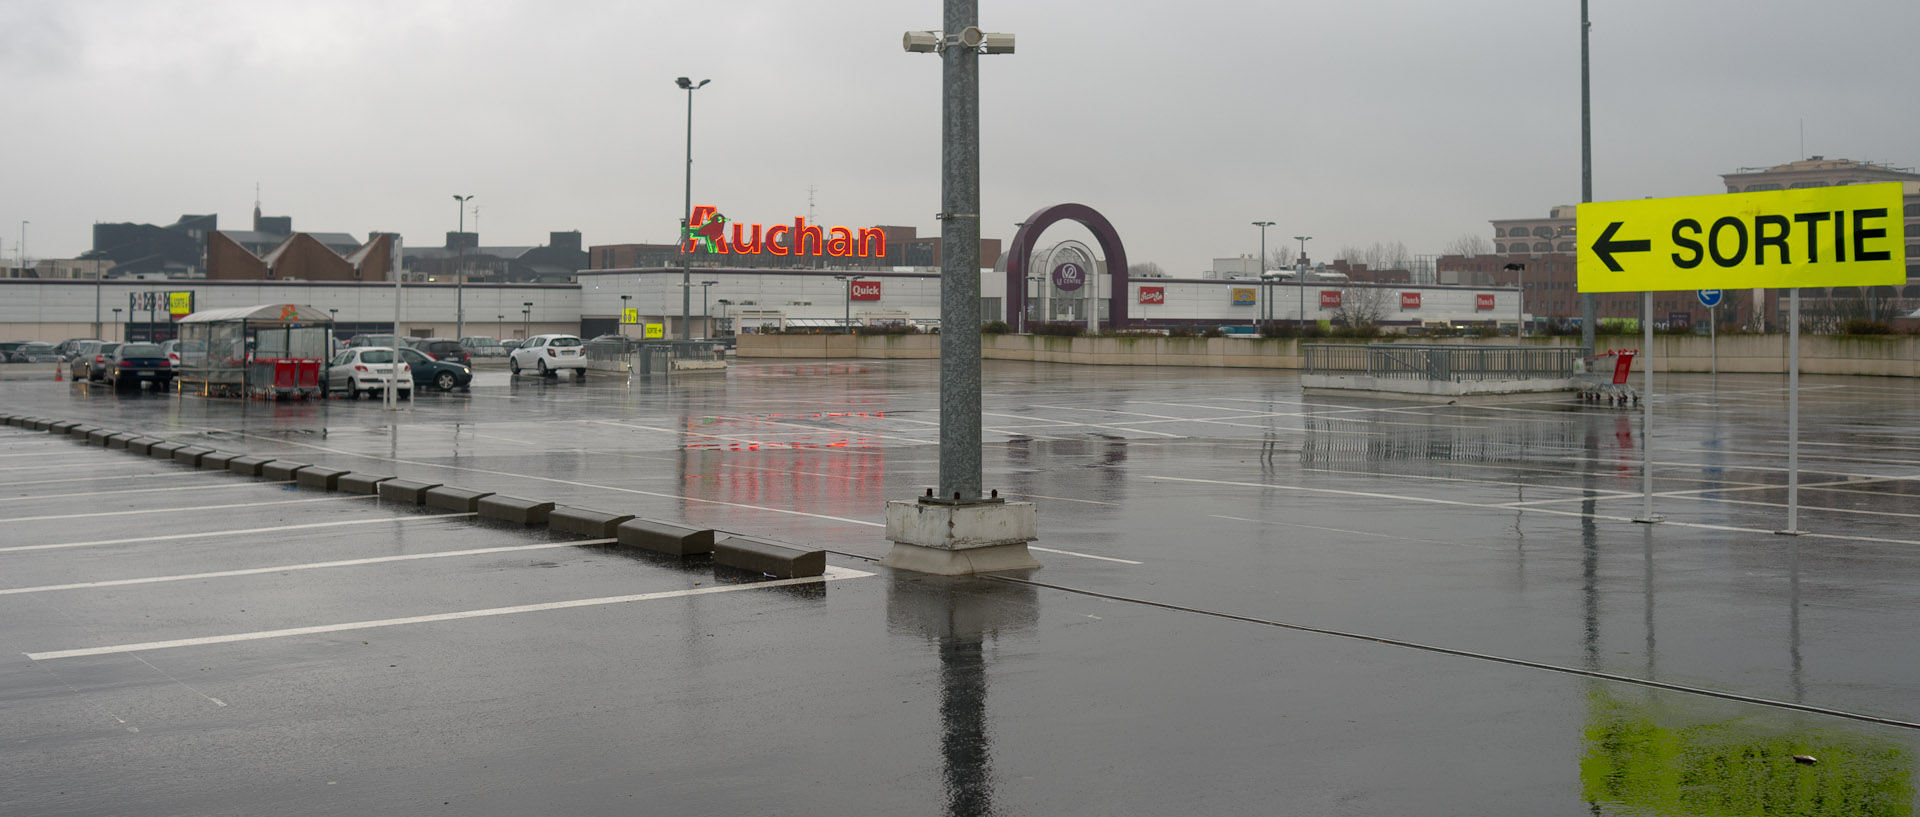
(957, 540)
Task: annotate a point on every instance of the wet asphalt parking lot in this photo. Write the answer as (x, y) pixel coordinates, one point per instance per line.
(1254, 601)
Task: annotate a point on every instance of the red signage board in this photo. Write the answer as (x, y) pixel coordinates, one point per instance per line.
(865, 290)
(1329, 297)
(1409, 300)
(1483, 302)
(1153, 295)
(706, 231)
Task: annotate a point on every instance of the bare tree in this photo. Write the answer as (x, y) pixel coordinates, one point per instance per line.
(1468, 245)
(1281, 258)
(1145, 269)
(1380, 255)
(1361, 306)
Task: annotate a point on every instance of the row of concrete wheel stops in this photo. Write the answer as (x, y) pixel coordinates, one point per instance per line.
(741, 552)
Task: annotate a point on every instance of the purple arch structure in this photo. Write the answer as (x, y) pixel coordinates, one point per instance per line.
(1029, 233)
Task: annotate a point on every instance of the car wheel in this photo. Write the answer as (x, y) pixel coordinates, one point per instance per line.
(513, 365)
(541, 366)
(443, 381)
(353, 389)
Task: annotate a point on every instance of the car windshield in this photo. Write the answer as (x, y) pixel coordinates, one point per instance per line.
(37, 347)
(482, 342)
(413, 356)
(564, 342)
(107, 348)
(141, 350)
(377, 356)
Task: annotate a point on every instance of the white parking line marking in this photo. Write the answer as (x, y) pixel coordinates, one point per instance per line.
(144, 490)
(833, 574)
(1085, 555)
(251, 571)
(243, 531)
(183, 510)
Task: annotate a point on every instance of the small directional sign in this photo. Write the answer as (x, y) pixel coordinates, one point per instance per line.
(1815, 237)
(1709, 298)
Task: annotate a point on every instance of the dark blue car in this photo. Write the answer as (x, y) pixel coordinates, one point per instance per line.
(440, 374)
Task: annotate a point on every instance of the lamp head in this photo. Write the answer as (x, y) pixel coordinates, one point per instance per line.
(921, 42)
(684, 83)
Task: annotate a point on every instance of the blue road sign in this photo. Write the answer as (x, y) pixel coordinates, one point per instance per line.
(1709, 297)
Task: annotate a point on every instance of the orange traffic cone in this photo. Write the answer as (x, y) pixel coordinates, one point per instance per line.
(59, 372)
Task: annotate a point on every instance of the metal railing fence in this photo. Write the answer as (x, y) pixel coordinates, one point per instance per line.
(1445, 362)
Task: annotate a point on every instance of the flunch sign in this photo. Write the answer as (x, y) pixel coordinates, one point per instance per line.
(1409, 300)
(707, 232)
(1330, 297)
(1153, 295)
(866, 291)
(1483, 302)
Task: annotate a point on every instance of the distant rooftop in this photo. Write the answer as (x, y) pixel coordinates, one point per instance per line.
(1812, 163)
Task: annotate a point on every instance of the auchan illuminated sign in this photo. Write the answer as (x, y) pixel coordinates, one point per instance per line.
(707, 232)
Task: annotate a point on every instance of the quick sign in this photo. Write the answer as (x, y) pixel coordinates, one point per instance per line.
(1409, 300)
(1153, 295)
(707, 232)
(865, 290)
(1483, 302)
(179, 304)
(1329, 298)
(1243, 296)
(1814, 237)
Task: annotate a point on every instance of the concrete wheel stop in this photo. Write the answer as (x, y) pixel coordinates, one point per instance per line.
(955, 540)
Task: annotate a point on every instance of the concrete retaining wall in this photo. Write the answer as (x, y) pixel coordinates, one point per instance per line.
(1882, 355)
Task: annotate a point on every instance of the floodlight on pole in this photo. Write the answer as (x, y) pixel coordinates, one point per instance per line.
(1300, 275)
(1520, 311)
(686, 211)
(460, 270)
(1266, 298)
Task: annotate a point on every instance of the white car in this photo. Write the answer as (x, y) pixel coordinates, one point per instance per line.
(548, 354)
(367, 369)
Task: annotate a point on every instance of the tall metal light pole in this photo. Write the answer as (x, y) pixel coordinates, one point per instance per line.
(623, 314)
(1266, 298)
(460, 272)
(1300, 276)
(846, 298)
(526, 319)
(1589, 304)
(959, 531)
(686, 261)
(706, 317)
(1519, 310)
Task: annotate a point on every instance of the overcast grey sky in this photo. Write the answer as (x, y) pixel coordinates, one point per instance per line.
(1357, 121)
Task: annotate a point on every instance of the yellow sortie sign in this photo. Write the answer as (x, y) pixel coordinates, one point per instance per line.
(1815, 237)
(656, 331)
(630, 316)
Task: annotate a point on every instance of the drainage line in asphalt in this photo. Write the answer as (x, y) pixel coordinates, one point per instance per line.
(1518, 662)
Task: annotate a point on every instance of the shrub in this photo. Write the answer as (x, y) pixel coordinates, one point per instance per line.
(1862, 326)
(1211, 332)
(1368, 331)
(994, 328)
(1063, 330)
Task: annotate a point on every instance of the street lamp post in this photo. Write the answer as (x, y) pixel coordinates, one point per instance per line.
(1520, 311)
(724, 303)
(1300, 276)
(116, 323)
(706, 317)
(686, 261)
(499, 326)
(846, 297)
(623, 314)
(460, 271)
(1266, 298)
(526, 318)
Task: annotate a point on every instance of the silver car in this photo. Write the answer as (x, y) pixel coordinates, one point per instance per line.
(367, 370)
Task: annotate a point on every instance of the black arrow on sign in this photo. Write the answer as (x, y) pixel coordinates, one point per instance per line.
(1606, 246)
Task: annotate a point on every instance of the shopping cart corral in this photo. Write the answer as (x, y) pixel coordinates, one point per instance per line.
(1604, 377)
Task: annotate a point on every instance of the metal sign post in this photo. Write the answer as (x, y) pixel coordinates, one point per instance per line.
(393, 374)
(1793, 416)
(1646, 411)
(1710, 298)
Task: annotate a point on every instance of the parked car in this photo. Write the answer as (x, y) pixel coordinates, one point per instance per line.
(91, 359)
(388, 341)
(367, 370)
(66, 349)
(548, 354)
(511, 344)
(36, 353)
(446, 349)
(132, 364)
(444, 375)
(172, 350)
(479, 346)
(8, 348)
